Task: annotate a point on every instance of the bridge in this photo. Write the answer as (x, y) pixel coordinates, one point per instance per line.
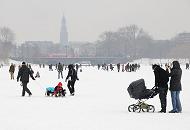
(72, 60)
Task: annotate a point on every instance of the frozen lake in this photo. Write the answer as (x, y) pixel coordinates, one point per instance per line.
(100, 103)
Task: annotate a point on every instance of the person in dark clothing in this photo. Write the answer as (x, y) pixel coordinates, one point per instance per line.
(60, 70)
(77, 67)
(187, 66)
(161, 80)
(111, 67)
(23, 75)
(71, 77)
(118, 67)
(175, 87)
(11, 71)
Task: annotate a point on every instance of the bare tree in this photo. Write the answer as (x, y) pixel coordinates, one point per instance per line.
(6, 40)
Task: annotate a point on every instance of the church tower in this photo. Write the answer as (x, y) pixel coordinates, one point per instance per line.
(63, 33)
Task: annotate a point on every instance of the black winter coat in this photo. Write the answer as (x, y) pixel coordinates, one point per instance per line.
(175, 81)
(60, 67)
(161, 77)
(12, 69)
(72, 74)
(24, 73)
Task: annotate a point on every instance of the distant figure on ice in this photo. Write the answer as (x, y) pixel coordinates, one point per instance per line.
(187, 66)
(118, 67)
(60, 70)
(37, 74)
(161, 81)
(50, 67)
(12, 70)
(23, 75)
(71, 77)
(77, 67)
(111, 67)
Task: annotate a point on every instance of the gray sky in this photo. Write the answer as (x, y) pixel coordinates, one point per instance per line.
(87, 19)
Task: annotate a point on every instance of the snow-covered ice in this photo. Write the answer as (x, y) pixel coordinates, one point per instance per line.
(100, 103)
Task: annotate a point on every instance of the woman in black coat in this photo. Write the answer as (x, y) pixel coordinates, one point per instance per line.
(175, 87)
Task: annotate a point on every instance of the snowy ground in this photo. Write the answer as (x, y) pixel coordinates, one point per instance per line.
(100, 103)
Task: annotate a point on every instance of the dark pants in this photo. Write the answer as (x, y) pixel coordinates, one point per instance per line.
(60, 72)
(25, 89)
(162, 96)
(70, 85)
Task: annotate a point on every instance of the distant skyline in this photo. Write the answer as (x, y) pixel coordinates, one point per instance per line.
(87, 19)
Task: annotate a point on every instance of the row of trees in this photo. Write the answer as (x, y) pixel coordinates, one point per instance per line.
(131, 41)
(6, 42)
(127, 42)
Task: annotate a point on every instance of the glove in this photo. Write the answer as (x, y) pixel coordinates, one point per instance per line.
(65, 80)
(33, 78)
(17, 80)
(77, 78)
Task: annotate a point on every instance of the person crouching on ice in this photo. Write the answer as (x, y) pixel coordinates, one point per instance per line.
(59, 91)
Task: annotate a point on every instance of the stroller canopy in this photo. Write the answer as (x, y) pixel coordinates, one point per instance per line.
(136, 89)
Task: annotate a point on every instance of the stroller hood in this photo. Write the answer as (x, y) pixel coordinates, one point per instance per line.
(136, 88)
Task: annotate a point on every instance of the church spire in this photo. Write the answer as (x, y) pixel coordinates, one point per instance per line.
(63, 32)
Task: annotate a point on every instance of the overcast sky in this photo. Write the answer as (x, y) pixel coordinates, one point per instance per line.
(87, 19)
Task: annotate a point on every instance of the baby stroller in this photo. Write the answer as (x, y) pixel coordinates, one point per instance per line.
(138, 91)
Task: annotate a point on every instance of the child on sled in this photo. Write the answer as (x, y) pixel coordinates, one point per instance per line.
(58, 91)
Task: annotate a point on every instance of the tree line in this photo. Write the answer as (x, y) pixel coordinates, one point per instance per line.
(7, 38)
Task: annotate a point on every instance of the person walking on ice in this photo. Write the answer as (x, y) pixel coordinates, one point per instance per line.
(60, 70)
(23, 74)
(71, 77)
(12, 70)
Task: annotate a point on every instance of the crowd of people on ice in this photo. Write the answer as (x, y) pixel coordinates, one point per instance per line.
(172, 71)
(120, 67)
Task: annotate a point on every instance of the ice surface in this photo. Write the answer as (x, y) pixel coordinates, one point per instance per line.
(100, 103)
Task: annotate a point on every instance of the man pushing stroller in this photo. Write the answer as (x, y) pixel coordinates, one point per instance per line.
(161, 81)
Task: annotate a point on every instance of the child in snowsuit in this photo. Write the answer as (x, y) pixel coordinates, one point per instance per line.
(49, 91)
(59, 91)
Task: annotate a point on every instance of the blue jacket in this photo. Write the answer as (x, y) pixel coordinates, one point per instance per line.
(51, 89)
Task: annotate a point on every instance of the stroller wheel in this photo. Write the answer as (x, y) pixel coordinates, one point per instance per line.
(150, 108)
(145, 109)
(137, 108)
(130, 108)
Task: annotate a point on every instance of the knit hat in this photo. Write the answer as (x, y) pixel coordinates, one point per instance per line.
(59, 84)
(155, 66)
(23, 63)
